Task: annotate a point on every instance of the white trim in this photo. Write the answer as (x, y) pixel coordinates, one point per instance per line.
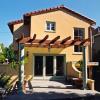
(64, 66)
(76, 53)
(44, 66)
(54, 65)
(33, 65)
(52, 31)
(22, 62)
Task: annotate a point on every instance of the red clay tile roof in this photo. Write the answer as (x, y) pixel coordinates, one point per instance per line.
(50, 10)
(60, 8)
(15, 22)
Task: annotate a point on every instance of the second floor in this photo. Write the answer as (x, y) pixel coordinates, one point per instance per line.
(58, 21)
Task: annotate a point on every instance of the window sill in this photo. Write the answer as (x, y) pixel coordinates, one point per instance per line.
(77, 53)
(50, 31)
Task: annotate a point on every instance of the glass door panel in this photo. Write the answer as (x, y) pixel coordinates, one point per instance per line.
(49, 65)
(38, 70)
(59, 65)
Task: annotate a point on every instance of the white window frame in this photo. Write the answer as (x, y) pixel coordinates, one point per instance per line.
(50, 22)
(80, 53)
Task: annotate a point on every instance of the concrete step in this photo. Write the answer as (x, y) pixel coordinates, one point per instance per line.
(49, 84)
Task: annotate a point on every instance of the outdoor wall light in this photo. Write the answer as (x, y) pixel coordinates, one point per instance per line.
(27, 53)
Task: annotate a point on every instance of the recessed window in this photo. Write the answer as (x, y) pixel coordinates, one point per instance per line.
(78, 34)
(50, 26)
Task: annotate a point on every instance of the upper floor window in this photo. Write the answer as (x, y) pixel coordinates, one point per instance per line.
(78, 33)
(50, 26)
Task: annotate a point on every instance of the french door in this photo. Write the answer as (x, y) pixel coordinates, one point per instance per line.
(38, 70)
(48, 66)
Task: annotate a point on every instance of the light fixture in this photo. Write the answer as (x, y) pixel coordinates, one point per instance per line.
(27, 53)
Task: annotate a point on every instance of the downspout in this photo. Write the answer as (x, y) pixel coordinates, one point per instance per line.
(84, 67)
(91, 42)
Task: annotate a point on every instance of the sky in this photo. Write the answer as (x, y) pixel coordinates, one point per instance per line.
(14, 9)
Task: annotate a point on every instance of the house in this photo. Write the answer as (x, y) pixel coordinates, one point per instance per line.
(52, 40)
(96, 56)
(96, 39)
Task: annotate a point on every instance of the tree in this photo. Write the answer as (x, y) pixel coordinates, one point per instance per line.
(2, 57)
(9, 53)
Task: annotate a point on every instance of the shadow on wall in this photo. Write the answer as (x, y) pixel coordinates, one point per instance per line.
(72, 71)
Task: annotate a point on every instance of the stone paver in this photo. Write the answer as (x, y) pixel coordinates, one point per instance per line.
(54, 94)
(48, 90)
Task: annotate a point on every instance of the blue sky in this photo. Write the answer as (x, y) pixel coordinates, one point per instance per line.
(14, 9)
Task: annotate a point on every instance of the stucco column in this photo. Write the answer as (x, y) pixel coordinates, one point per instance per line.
(84, 68)
(44, 66)
(54, 68)
(21, 67)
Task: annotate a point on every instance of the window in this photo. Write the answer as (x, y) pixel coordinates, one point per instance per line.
(50, 26)
(78, 33)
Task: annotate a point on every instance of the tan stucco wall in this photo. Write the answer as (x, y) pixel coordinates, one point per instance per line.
(54, 51)
(65, 24)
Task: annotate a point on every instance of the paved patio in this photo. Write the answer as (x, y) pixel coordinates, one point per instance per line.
(56, 94)
(51, 90)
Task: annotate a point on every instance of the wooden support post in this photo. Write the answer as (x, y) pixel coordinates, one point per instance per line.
(84, 69)
(21, 68)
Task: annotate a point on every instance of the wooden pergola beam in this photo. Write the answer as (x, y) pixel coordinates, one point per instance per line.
(77, 41)
(44, 39)
(85, 41)
(57, 44)
(86, 44)
(31, 40)
(54, 40)
(65, 40)
(54, 43)
(72, 42)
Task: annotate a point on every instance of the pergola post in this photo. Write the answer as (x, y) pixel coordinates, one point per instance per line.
(84, 68)
(21, 68)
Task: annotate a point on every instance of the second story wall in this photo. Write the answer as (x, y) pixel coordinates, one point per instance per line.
(65, 24)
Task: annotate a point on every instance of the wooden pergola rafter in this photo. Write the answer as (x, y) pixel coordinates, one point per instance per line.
(86, 42)
(31, 40)
(44, 39)
(65, 40)
(55, 42)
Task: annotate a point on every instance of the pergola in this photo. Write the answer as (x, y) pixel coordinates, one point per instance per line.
(56, 42)
(53, 43)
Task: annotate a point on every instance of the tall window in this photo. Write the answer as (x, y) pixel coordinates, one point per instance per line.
(78, 33)
(50, 26)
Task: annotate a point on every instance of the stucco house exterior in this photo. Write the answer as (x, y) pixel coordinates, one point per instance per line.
(52, 40)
